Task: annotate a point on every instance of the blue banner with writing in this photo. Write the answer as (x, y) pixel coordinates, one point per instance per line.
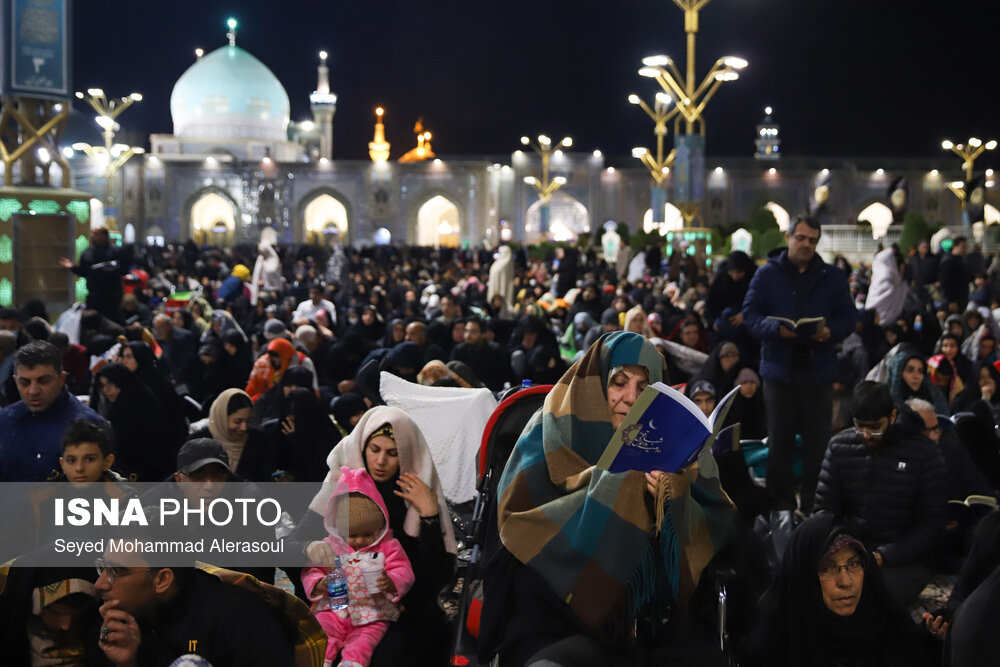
(36, 49)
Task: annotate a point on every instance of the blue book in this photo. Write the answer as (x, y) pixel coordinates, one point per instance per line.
(664, 430)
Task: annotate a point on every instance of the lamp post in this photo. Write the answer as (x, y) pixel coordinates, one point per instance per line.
(545, 187)
(968, 151)
(110, 156)
(659, 166)
(690, 100)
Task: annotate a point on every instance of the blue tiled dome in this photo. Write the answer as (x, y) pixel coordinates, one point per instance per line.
(228, 93)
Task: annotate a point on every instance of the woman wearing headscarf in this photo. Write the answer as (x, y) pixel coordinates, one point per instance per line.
(944, 376)
(501, 280)
(251, 452)
(395, 333)
(552, 592)
(143, 451)
(139, 358)
(722, 366)
(636, 321)
(237, 360)
(986, 390)
(270, 366)
(390, 446)
(908, 379)
(346, 411)
(370, 326)
(829, 607)
(305, 435)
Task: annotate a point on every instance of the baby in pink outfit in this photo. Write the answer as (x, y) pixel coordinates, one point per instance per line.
(378, 571)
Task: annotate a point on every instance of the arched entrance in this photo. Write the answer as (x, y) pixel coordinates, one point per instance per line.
(438, 222)
(879, 216)
(672, 220)
(325, 221)
(154, 236)
(780, 214)
(213, 220)
(568, 219)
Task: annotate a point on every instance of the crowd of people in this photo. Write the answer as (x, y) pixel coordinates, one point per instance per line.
(873, 388)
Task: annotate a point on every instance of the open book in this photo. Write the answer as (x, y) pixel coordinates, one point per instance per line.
(664, 430)
(804, 326)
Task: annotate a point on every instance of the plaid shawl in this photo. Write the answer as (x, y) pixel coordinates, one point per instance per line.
(590, 533)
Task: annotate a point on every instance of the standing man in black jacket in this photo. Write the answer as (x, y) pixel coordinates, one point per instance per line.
(103, 266)
(953, 275)
(887, 480)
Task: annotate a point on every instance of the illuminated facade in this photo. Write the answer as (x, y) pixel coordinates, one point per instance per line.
(237, 164)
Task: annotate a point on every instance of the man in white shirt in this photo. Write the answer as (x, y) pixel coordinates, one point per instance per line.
(308, 309)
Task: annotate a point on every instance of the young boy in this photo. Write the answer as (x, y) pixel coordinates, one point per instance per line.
(86, 454)
(378, 571)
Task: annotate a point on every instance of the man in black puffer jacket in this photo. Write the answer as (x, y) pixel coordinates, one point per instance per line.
(886, 478)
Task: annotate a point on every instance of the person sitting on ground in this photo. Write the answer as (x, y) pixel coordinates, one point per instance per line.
(358, 525)
(944, 376)
(250, 452)
(829, 606)
(887, 480)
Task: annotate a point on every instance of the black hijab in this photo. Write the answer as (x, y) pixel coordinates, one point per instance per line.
(797, 628)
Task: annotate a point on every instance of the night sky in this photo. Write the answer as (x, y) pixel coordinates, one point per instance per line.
(846, 78)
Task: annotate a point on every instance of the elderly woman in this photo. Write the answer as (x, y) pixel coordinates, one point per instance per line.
(392, 449)
(598, 567)
(829, 607)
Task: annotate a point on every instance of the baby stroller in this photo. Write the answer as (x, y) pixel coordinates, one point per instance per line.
(499, 437)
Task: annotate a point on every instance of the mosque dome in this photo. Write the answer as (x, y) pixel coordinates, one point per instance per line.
(228, 93)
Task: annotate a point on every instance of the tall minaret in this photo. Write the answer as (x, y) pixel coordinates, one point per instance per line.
(378, 147)
(324, 105)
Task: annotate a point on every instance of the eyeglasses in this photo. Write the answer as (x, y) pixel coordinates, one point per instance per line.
(830, 570)
(114, 572)
(933, 429)
(867, 432)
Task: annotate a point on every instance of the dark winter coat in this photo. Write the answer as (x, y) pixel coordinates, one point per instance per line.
(778, 289)
(892, 496)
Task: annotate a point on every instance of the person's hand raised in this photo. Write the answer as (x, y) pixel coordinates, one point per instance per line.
(936, 625)
(421, 496)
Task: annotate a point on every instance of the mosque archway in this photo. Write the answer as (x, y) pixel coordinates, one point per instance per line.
(672, 220)
(325, 220)
(438, 222)
(568, 219)
(780, 214)
(879, 216)
(213, 220)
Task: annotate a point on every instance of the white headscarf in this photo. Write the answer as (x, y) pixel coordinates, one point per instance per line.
(414, 457)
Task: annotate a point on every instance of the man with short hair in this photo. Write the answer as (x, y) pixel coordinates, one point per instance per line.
(103, 267)
(314, 304)
(483, 356)
(154, 615)
(954, 277)
(887, 480)
(179, 347)
(798, 367)
(31, 430)
(416, 332)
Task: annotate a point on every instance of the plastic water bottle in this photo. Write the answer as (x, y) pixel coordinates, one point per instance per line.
(525, 384)
(336, 586)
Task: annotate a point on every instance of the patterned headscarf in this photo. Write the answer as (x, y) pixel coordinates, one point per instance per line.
(589, 533)
(956, 385)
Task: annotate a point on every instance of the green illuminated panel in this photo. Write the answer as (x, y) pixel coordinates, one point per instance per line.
(81, 289)
(43, 206)
(6, 292)
(81, 245)
(8, 207)
(6, 249)
(81, 209)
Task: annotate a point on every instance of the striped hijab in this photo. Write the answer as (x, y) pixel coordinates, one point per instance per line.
(590, 533)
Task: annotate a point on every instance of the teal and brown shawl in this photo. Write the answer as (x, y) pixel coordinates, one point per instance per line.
(591, 534)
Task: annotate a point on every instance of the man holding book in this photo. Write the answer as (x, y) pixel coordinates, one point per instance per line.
(798, 363)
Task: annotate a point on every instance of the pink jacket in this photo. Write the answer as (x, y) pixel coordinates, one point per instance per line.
(385, 551)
